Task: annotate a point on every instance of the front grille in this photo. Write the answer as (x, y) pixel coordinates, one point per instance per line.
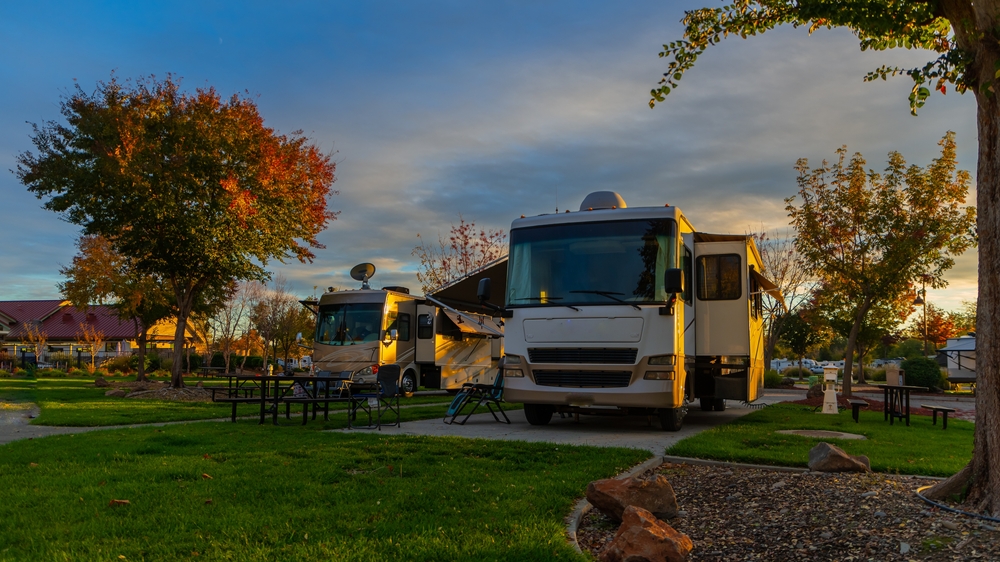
(583, 379)
(605, 355)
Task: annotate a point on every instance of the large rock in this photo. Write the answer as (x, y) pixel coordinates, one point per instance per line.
(830, 458)
(117, 393)
(644, 538)
(815, 391)
(653, 494)
(100, 382)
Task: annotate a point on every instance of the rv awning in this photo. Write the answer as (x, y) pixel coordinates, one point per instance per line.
(962, 344)
(461, 293)
(473, 323)
(769, 287)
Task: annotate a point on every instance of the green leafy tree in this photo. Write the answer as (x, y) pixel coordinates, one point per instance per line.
(784, 268)
(801, 335)
(191, 188)
(962, 36)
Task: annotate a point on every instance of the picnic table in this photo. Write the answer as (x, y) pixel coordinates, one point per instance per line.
(207, 371)
(896, 401)
(269, 391)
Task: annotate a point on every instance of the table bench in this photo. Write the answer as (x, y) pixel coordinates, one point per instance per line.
(233, 396)
(856, 406)
(934, 412)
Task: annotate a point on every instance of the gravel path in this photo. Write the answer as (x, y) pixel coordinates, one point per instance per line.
(736, 514)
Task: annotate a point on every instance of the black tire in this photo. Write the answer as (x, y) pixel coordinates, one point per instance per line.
(672, 419)
(706, 404)
(408, 384)
(538, 414)
(719, 404)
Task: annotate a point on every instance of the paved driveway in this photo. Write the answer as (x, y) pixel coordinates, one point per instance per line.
(598, 431)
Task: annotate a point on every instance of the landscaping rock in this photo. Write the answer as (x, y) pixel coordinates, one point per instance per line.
(117, 393)
(613, 496)
(815, 391)
(100, 382)
(787, 381)
(825, 457)
(644, 538)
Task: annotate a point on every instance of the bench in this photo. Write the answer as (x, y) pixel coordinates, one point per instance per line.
(934, 412)
(228, 395)
(856, 406)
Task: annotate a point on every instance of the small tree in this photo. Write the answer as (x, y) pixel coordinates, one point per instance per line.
(801, 336)
(90, 337)
(465, 251)
(784, 268)
(36, 337)
(232, 318)
(939, 327)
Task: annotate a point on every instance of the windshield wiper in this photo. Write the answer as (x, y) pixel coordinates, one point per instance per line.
(546, 299)
(610, 295)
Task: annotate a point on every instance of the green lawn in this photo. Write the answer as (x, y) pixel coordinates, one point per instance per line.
(76, 402)
(921, 448)
(223, 491)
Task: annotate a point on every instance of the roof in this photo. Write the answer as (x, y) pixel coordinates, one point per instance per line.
(62, 322)
(14, 313)
(960, 344)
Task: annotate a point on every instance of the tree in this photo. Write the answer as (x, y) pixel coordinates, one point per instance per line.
(191, 188)
(465, 251)
(91, 338)
(36, 337)
(800, 335)
(270, 315)
(99, 275)
(784, 268)
(964, 318)
(232, 319)
(939, 327)
(881, 321)
(869, 236)
(963, 34)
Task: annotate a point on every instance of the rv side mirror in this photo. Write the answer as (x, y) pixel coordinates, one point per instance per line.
(484, 289)
(673, 281)
(389, 337)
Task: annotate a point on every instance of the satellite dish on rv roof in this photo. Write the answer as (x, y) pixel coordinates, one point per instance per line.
(602, 200)
(363, 272)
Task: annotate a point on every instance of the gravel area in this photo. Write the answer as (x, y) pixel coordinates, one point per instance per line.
(735, 514)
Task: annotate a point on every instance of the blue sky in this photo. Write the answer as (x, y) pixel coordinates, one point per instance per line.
(488, 110)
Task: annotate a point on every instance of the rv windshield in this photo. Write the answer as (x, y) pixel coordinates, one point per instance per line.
(591, 263)
(349, 323)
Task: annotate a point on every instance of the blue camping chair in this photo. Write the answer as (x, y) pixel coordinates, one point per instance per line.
(383, 396)
(477, 395)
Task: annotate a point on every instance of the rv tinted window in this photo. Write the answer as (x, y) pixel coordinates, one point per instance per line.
(425, 327)
(719, 277)
(348, 323)
(688, 266)
(404, 327)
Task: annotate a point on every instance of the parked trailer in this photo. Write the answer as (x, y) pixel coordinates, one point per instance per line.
(617, 310)
(435, 345)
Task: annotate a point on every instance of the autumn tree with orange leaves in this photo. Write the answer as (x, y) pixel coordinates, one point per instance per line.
(466, 250)
(189, 187)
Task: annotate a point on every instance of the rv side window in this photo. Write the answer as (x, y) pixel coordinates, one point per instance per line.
(719, 277)
(755, 299)
(687, 265)
(425, 327)
(403, 332)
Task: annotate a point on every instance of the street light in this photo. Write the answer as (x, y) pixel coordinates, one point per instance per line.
(922, 300)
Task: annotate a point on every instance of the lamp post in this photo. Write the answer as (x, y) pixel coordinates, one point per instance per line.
(922, 300)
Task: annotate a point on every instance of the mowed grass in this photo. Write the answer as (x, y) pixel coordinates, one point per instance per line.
(921, 448)
(76, 402)
(223, 491)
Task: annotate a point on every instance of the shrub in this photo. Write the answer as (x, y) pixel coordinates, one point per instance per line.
(772, 379)
(796, 373)
(922, 371)
(61, 357)
(117, 374)
(152, 362)
(100, 373)
(877, 375)
(120, 363)
(74, 372)
(52, 373)
(4, 374)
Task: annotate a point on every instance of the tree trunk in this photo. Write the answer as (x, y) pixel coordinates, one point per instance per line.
(185, 303)
(859, 318)
(141, 340)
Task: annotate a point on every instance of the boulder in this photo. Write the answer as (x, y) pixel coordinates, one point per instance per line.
(654, 494)
(815, 391)
(644, 538)
(116, 392)
(100, 382)
(830, 458)
(788, 381)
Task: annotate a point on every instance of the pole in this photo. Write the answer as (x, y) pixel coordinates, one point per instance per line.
(924, 291)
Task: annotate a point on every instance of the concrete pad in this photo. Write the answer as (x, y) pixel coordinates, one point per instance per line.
(637, 432)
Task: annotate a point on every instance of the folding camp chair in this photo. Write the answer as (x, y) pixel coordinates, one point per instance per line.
(383, 396)
(477, 395)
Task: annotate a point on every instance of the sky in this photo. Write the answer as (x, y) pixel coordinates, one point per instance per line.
(482, 110)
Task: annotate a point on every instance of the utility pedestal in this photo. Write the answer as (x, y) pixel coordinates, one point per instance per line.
(829, 392)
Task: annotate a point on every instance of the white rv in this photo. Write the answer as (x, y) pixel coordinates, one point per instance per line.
(617, 310)
(435, 344)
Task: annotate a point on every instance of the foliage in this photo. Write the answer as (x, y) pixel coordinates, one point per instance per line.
(465, 251)
(921, 448)
(875, 375)
(797, 373)
(964, 319)
(772, 379)
(869, 236)
(4, 374)
(801, 332)
(923, 371)
(93, 339)
(940, 326)
(191, 188)
(783, 267)
(119, 363)
(35, 336)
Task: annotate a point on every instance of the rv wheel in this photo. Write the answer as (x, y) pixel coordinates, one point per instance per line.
(719, 404)
(672, 419)
(706, 404)
(408, 384)
(538, 414)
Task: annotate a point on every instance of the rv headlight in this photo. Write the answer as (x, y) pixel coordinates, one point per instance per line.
(513, 373)
(659, 376)
(513, 359)
(663, 360)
